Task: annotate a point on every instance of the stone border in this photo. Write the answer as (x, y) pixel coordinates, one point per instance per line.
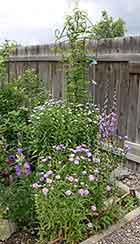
(7, 228)
(126, 219)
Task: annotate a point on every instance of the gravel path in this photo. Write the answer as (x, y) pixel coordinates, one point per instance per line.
(132, 181)
(129, 234)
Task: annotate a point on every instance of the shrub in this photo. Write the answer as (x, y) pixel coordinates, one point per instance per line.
(17, 100)
(57, 123)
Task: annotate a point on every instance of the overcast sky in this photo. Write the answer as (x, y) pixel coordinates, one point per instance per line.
(34, 21)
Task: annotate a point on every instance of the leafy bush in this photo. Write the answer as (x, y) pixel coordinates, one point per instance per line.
(16, 194)
(17, 100)
(72, 187)
(56, 123)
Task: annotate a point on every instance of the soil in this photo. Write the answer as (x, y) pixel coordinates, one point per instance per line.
(20, 238)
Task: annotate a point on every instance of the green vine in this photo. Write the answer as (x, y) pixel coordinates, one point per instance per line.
(76, 31)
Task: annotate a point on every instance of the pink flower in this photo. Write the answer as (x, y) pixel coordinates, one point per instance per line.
(68, 193)
(93, 208)
(45, 191)
(35, 186)
(91, 177)
(71, 179)
(71, 159)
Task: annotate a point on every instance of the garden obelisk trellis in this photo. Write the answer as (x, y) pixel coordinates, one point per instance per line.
(76, 31)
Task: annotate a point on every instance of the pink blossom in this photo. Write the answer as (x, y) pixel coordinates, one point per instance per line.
(45, 191)
(71, 159)
(71, 179)
(35, 186)
(91, 177)
(93, 208)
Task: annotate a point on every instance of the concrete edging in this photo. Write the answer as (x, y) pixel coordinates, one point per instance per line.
(126, 219)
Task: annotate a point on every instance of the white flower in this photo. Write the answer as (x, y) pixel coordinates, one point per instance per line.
(49, 181)
(90, 225)
(58, 177)
(68, 193)
(76, 162)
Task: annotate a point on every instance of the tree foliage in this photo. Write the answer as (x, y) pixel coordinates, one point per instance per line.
(108, 27)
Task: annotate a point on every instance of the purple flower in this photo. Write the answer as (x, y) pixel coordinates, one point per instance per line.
(19, 150)
(11, 157)
(83, 192)
(126, 148)
(89, 154)
(27, 168)
(18, 170)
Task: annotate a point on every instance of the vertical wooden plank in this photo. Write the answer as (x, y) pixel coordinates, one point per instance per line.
(124, 98)
(138, 114)
(43, 72)
(132, 113)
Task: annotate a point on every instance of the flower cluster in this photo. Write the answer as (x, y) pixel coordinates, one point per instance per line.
(17, 165)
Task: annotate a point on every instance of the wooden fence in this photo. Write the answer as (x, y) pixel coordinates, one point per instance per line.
(118, 63)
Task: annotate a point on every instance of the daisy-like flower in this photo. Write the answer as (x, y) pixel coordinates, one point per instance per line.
(92, 177)
(76, 162)
(35, 185)
(71, 179)
(90, 225)
(93, 208)
(84, 172)
(57, 177)
(109, 188)
(68, 193)
(49, 181)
